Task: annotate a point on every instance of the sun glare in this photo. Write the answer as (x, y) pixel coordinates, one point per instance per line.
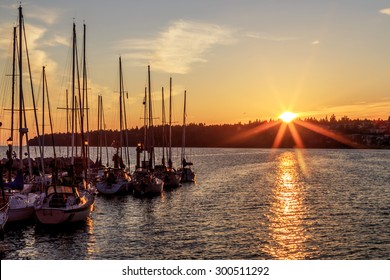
(288, 116)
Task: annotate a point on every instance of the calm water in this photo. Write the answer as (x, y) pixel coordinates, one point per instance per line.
(246, 204)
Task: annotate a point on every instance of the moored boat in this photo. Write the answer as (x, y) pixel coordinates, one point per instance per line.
(62, 203)
(146, 183)
(114, 181)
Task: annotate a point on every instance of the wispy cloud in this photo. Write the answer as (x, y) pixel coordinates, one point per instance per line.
(268, 37)
(316, 42)
(57, 40)
(43, 14)
(177, 48)
(385, 11)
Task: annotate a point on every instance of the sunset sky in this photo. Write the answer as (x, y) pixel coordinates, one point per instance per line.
(238, 60)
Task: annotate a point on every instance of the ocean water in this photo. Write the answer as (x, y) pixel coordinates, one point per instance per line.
(245, 204)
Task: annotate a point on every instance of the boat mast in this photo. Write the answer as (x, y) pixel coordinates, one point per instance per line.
(99, 129)
(20, 89)
(170, 124)
(13, 89)
(13, 103)
(183, 155)
(67, 123)
(25, 129)
(163, 126)
(150, 134)
(85, 95)
(73, 94)
(120, 106)
(145, 127)
(105, 132)
(43, 116)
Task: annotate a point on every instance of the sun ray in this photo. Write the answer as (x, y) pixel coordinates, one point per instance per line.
(258, 129)
(279, 136)
(327, 133)
(295, 135)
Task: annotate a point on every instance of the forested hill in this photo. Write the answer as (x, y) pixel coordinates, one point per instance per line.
(258, 134)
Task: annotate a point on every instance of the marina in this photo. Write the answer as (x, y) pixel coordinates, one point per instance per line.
(245, 204)
(183, 157)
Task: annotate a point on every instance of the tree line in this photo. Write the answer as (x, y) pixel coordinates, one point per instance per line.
(257, 134)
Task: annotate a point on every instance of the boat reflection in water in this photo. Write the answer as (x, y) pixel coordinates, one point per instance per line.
(288, 237)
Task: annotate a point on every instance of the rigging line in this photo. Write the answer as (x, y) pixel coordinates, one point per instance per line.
(32, 88)
(50, 121)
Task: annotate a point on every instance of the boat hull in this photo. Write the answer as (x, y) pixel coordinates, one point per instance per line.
(155, 187)
(20, 214)
(21, 207)
(54, 216)
(111, 189)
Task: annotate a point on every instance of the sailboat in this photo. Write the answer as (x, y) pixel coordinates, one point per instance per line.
(187, 174)
(21, 200)
(116, 180)
(66, 199)
(144, 179)
(167, 173)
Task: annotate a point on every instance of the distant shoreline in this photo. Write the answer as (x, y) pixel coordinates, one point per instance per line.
(308, 133)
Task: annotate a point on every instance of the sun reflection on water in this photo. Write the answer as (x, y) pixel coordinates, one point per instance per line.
(287, 211)
(91, 242)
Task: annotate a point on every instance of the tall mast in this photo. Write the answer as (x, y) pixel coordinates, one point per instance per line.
(170, 124)
(67, 123)
(13, 103)
(104, 128)
(85, 95)
(145, 126)
(13, 91)
(20, 89)
(120, 105)
(183, 155)
(150, 134)
(99, 150)
(126, 142)
(163, 126)
(43, 115)
(73, 91)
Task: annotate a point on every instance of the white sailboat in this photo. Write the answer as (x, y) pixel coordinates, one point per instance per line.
(117, 180)
(21, 200)
(66, 200)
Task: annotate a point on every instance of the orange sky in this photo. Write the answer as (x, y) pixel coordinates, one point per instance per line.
(238, 61)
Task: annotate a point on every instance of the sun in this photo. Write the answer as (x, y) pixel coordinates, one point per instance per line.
(288, 116)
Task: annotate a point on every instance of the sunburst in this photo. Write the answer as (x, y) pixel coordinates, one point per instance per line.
(289, 120)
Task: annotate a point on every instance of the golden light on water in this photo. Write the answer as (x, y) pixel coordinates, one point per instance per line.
(287, 212)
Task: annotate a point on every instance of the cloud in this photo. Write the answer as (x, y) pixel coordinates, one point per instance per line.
(316, 42)
(57, 40)
(385, 11)
(177, 48)
(42, 14)
(267, 37)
